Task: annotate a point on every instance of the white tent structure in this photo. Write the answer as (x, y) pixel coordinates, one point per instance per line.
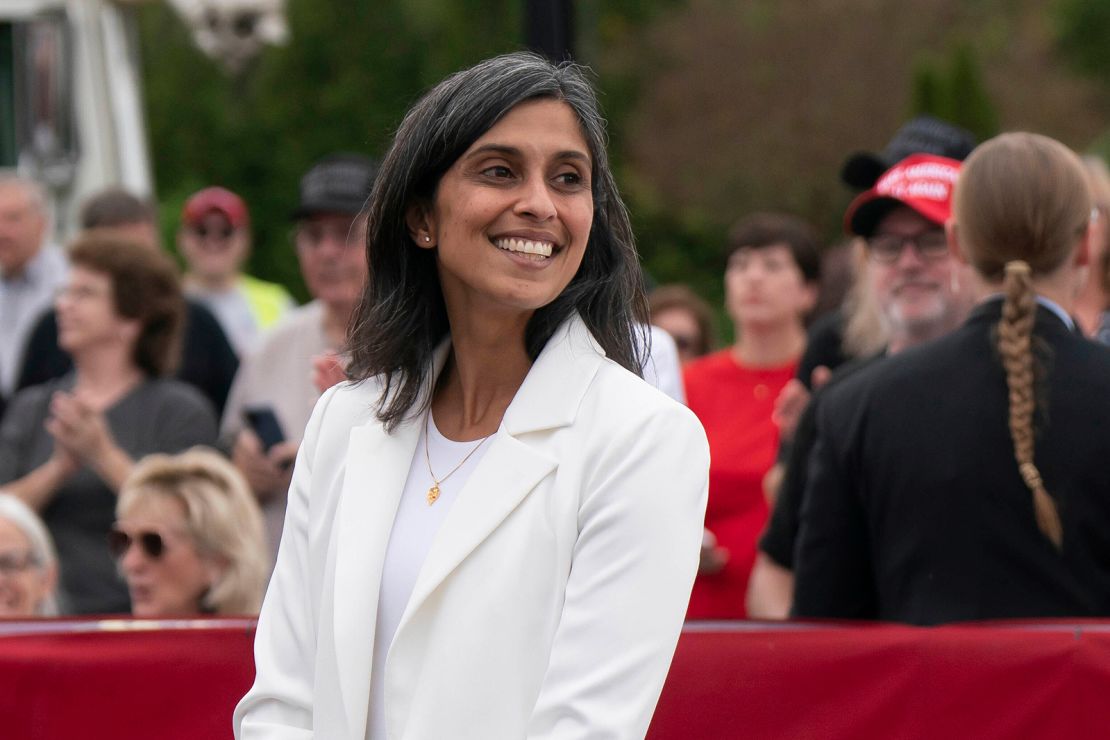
(71, 113)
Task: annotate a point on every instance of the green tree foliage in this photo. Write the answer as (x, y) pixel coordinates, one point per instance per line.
(350, 70)
(1082, 28)
(953, 89)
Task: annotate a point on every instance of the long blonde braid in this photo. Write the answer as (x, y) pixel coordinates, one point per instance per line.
(1015, 334)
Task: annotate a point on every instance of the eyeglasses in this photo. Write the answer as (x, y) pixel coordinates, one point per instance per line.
(80, 293)
(312, 235)
(151, 543)
(13, 563)
(888, 248)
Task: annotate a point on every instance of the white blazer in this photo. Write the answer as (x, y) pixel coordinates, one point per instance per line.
(552, 598)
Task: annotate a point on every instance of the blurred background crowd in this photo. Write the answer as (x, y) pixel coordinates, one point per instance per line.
(788, 165)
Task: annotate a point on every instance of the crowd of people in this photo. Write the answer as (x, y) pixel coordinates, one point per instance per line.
(929, 450)
(150, 415)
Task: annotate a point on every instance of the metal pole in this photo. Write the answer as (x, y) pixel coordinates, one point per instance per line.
(549, 28)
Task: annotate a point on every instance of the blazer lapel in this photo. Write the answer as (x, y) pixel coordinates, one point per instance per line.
(377, 467)
(511, 468)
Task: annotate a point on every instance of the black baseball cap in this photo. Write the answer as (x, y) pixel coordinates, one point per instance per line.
(920, 135)
(338, 183)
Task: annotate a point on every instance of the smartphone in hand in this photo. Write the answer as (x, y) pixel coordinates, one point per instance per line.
(264, 422)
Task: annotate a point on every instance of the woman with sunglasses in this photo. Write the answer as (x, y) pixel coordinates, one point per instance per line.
(66, 446)
(188, 537)
(966, 478)
(493, 532)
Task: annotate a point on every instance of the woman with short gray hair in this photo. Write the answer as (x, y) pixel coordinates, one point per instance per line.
(28, 562)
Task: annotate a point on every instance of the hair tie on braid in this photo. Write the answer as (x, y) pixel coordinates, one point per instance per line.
(1018, 267)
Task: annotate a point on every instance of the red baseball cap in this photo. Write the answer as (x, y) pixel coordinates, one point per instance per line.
(923, 182)
(202, 202)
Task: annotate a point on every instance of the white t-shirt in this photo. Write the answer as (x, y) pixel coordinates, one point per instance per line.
(414, 530)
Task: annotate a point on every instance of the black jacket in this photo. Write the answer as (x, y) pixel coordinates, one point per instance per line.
(914, 509)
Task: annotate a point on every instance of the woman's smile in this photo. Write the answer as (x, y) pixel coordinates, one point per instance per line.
(523, 188)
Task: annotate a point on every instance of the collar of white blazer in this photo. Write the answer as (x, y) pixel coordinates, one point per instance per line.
(377, 465)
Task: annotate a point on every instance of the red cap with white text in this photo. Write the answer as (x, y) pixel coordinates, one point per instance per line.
(923, 182)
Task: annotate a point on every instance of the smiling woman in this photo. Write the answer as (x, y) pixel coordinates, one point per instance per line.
(493, 531)
(188, 537)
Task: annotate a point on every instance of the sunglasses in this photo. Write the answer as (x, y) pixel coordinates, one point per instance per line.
(224, 232)
(151, 543)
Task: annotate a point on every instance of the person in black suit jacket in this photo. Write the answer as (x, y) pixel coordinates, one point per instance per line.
(967, 478)
(918, 294)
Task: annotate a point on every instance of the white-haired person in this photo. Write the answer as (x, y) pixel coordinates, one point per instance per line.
(28, 562)
(188, 537)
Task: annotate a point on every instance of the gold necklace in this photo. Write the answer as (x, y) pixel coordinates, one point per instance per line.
(433, 492)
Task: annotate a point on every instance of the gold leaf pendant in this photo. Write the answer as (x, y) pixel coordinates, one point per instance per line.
(433, 495)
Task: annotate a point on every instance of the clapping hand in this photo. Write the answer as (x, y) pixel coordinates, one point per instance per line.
(78, 429)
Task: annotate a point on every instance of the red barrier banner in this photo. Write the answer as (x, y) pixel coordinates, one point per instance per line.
(179, 680)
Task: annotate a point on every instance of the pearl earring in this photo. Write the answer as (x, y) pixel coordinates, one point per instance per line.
(427, 238)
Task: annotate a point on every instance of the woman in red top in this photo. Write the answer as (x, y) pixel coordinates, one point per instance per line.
(770, 286)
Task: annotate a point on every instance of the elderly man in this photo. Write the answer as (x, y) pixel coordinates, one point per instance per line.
(919, 290)
(275, 389)
(31, 271)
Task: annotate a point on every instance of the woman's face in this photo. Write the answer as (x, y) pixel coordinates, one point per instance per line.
(24, 584)
(683, 327)
(166, 580)
(512, 216)
(87, 314)
(765, 287)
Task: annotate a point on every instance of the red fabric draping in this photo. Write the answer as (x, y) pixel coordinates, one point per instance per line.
(1029, 680)
(889, 682)
(123, 680)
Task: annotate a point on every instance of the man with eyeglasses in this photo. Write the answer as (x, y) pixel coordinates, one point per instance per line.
(215, 240)
(921, 295)
(278, 383)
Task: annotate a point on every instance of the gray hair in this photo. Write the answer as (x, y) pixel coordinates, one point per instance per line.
(36, 193)
(43, 554)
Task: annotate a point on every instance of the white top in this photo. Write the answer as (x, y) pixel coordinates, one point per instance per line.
(662, 368)
(414, 529)
(233, 311)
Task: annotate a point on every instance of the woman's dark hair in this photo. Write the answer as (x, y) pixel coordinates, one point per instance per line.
(146, 287)
(761, 230)
(402, 316)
